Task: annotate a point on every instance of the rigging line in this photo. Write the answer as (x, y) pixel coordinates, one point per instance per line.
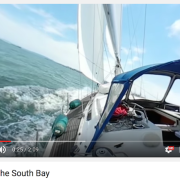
(121, 17)
(102, 41)
(132, 41)
(109, 74)
(78, 48)
(93, 63)
(146, 91)
(135, 34)
(105, 46)
(130, 45)
(129, 31)
(144, 33)
(79, 58)
(108, 62)
(108, 59)
(98, 59)
(121, 36)
(130, 36)
(143, 41)
(93, 48)
(101, 21)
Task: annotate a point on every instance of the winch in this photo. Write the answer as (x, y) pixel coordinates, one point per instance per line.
(135, 118)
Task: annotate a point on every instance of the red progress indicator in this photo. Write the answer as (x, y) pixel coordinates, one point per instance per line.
(4, 141)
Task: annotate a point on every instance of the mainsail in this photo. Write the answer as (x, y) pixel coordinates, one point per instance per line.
(90, 41)
(92, 22)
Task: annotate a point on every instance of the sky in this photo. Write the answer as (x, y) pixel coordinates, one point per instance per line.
(51, 30)
(162, 34)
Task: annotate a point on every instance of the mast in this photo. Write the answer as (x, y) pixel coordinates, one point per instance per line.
(113, 14)
(91, 30)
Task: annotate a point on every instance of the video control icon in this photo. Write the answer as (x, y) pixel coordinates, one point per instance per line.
(169, 149)
(2, 149)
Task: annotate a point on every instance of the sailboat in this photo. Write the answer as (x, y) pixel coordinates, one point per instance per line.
(142, 127)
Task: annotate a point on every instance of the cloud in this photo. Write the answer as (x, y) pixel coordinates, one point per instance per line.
(39, 12)
(51, 24)
(125, 50)
(129, 62)
(174, 29)
(133, 60)
(16, 6)
(29, 37)
(52, 30)
(48, 23)
(133, 56)
(138, 50)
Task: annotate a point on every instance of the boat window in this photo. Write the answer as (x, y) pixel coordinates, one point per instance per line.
(150, 86)
(115, 91)
(174, 96)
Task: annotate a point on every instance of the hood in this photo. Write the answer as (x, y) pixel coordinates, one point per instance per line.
(125, 79)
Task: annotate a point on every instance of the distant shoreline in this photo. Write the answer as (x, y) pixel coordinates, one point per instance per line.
(44, 57)
(39, 55)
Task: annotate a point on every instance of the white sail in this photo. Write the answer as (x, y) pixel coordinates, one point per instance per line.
(90, 41)
(114, 16)
(109, 57)
(109, 43)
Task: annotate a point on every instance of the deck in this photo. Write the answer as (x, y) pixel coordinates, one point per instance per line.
(63, 149)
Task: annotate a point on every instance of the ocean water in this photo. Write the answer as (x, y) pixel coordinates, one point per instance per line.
(33, 91)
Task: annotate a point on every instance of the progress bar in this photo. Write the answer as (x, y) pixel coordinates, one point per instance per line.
(44, 141)
(92, 141)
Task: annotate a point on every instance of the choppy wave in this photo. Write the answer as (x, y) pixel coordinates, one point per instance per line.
(23, 109)
(33, 91)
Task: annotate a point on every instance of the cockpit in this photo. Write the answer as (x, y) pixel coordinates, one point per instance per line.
(151, 101)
